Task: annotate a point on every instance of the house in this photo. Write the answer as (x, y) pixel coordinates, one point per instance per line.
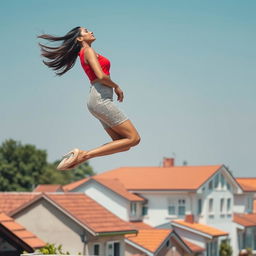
(72, 219)
(246, 217)
(14, 238)
(151, 241)
(204, 199)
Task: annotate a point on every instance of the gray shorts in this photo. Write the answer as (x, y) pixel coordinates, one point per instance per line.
(100, 104)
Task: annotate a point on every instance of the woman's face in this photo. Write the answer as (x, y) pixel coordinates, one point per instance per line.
(87, 35)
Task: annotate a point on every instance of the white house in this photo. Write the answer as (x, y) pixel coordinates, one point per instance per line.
(201, 203)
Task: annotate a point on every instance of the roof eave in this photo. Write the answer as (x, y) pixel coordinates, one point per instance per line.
(114, 233)
(139, 247)
(196, 231)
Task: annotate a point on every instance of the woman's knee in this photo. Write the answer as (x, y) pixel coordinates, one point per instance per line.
(135, 140)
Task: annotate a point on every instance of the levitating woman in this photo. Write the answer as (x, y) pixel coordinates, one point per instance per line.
(78, 42)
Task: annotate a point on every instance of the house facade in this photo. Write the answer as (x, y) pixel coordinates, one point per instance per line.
(204, 200)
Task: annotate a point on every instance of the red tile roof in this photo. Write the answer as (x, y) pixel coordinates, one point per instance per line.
(113, 184)
(247, 184)
(19, 231)
(48, 188)
(86, 211)
(150, 239)
(193, 247)
(90, 213)
(74, 184)
(140, 225)
(158, 178)
(208, 230)
(10, 201)
(245, 219)
(116, 186)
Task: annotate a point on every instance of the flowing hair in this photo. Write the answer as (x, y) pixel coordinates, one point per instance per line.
(63, 57)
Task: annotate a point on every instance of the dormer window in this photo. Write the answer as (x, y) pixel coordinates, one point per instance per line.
(133, 209)
(216, 181)
(222, 181)
(210, 185)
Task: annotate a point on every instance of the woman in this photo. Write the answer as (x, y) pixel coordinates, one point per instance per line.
(77, 42)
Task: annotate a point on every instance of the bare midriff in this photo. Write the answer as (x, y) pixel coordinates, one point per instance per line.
(97, 80)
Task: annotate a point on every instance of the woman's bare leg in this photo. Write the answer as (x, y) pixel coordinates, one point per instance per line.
(124, 137)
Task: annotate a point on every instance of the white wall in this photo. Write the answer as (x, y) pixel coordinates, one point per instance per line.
(242, 202)
(158, 206)
(107, 198)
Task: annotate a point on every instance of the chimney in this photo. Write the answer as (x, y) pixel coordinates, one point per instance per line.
(168, 162)
(189, 218)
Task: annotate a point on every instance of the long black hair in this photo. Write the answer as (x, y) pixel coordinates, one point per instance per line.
(63, 57)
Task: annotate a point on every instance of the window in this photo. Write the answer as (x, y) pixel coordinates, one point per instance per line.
(222, 181)
(133, 209)
(113, 249)
(171, 208)
(216, 180)
(210, 185)
(228, 205)
(249, 207)
(144, 210)
(211, 205)
(199, 206)
(228, 187)
(221, 205)
(96, 249)
(211, 248)
(181, 207)
(167, 243)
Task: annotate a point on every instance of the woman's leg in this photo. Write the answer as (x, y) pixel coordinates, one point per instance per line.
(124, 137)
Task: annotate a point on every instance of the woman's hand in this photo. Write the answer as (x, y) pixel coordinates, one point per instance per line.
(119, 93)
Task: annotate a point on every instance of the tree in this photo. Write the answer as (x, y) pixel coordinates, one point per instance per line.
(22, 167)
(225, 248)
(51, 176)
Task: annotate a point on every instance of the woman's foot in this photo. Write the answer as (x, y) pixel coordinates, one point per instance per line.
(68, 160)
(81, 158)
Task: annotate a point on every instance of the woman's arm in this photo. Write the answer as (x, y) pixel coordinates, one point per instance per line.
(91, 58)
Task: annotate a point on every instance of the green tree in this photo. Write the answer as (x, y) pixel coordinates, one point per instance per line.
(22, 167)
(225, 248)
(51, 176)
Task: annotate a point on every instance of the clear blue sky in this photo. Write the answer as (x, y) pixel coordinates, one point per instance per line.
(187, 69)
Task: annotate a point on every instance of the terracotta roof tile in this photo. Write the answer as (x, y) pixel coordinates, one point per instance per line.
(20, 232)
(116, 186)
(48, 188)
(140, 225)
(10, 201)
(150, 239)
(74, 185)
(202, 228)
(158, 178)
(245, 219)
(90, 213)
(11, 225)
(247, 184)
(193, 247)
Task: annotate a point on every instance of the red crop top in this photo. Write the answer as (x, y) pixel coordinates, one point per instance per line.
(104, 63)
